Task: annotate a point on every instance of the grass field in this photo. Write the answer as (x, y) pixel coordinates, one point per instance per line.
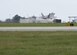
(38, 43)
(33, 24)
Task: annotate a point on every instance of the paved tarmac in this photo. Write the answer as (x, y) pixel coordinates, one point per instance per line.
(38, 28)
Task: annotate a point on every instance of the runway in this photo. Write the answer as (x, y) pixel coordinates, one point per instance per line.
(38, 28)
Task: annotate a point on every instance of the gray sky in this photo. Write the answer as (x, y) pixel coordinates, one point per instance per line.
(62, 8)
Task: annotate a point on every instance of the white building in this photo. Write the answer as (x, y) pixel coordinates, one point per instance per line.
(27, 20)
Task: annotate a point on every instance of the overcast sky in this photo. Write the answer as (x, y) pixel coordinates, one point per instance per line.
(62, 8)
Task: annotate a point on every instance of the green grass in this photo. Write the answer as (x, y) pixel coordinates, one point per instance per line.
(38, 43)
(31, 24)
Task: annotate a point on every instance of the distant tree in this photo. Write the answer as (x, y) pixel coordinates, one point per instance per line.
(8, 20)
(0, 21)
(16, 19)
(33, 16)
(23, 18)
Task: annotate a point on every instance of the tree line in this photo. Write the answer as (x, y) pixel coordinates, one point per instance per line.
(15, 19)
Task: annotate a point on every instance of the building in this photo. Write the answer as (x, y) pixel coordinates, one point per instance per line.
(27, 20)
(57, 21)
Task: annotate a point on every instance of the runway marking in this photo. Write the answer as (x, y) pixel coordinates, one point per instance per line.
(38, 28)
